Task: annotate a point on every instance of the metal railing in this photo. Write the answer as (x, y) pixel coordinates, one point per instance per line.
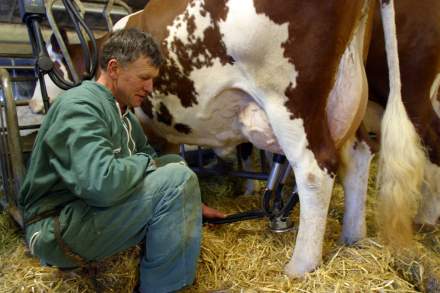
(11, 155)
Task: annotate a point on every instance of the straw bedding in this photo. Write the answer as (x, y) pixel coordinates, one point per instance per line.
(246, 257)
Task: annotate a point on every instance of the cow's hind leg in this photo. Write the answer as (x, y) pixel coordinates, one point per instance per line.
(314, 188)
(356, 158)
(314, 184)
(428, 215)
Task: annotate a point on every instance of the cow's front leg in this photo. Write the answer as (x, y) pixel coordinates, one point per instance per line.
(315, 189)
(356, 158)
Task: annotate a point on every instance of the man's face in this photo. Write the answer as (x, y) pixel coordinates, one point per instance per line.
(135, 81)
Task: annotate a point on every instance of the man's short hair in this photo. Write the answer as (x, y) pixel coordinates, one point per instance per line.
(127, 45)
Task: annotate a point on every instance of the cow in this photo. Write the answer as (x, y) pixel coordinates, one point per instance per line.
(287, 76)
(418, 34)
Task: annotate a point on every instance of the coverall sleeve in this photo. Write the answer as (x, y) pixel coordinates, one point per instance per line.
(82, 154)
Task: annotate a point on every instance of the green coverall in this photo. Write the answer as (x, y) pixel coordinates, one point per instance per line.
(93, 166)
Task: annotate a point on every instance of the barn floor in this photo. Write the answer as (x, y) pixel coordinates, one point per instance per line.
(246, 257)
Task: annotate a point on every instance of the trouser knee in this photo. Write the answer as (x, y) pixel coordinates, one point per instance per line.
(175, 180)
(167, 159)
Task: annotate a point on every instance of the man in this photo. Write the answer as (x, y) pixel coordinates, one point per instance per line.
(95, 187)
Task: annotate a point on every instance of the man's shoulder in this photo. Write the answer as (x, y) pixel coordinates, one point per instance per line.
(80, 91)
(87, 93)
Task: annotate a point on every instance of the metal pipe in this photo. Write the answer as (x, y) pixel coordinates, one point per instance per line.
(22, 103)
(4, 159)
(19, 67)
(61, 43)
(23, 127)
(106, 12)
(118, 9)
(18, 34)
(15, 149)
(278, 169)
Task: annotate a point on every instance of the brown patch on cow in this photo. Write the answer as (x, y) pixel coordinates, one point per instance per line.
(311, 179)
(191, 25)
(164, 115)
(174, 82)
(319, 32)
(217, 9)
(157, 16)
(182, 128)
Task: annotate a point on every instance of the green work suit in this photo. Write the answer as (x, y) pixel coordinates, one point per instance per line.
(93, 165)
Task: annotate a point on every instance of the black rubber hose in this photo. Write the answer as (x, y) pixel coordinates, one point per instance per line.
(251, 215)
(91, 56)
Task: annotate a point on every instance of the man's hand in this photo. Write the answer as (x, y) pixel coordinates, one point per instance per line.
(211, 213)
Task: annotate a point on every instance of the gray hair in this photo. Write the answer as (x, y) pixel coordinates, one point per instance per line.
(127, 45)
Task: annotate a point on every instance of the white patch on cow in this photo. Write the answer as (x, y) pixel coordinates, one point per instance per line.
(429, 210)
(264, 66)
(213, 121)
(434, 95)
(122, 23)
(357, 158)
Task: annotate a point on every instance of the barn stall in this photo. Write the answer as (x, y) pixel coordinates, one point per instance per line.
(246, 256)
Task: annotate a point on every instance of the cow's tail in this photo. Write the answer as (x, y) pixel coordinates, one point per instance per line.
(401, 160)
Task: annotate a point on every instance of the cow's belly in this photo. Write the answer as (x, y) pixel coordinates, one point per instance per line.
(221, 122)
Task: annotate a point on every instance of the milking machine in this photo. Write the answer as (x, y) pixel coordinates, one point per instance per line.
(33, 13)
(274, 207)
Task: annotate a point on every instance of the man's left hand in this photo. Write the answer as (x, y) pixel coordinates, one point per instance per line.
(211, 213)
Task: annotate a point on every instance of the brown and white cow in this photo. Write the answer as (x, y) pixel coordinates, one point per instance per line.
(287, 76)
(418, 34)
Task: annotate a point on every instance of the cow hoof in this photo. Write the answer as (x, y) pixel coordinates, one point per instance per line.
(296, 271)
(351, 239)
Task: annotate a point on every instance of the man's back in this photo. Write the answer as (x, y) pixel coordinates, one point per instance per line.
(75, 147)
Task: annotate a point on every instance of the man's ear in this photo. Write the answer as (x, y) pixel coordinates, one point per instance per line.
(113, 68)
